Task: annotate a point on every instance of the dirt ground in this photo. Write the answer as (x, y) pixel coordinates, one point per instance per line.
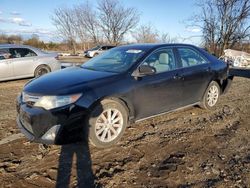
(189, 148)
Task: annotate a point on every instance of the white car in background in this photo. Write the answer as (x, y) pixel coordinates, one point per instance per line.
(97, 50)
(21, 61)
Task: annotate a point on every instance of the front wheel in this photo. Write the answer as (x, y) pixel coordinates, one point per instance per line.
(96, 54)
(41, 70)
(211, 96)
(107, 123)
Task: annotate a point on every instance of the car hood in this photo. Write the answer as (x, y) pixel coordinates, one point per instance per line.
(67, 81)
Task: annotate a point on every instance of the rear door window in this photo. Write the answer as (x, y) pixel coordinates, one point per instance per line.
(21, 52)
(4, 53)
(190, 57)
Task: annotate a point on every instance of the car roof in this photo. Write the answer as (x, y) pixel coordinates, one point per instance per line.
(149, 46)
(154, 45)
(38, 51)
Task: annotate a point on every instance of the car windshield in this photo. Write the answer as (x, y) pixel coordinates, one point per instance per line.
(95, 48)
(115, 60)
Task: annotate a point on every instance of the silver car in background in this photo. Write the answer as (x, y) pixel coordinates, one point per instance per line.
(21, 61)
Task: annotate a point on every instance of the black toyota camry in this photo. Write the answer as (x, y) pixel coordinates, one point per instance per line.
(123, 85)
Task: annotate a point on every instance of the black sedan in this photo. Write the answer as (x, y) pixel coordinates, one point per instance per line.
(123, 85)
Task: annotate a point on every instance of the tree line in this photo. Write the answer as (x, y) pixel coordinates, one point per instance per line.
(32, 41)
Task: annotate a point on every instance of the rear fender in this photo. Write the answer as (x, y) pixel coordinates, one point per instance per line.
(226, 84)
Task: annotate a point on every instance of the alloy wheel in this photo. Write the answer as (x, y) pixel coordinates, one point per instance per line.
(213, 95)
(109, 125)
(42, 71)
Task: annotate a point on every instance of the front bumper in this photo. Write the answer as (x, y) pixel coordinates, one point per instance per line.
(59, 126)
(31, 137)
(90, 54)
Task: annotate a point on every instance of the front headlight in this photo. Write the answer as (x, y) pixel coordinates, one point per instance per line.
(50, 102)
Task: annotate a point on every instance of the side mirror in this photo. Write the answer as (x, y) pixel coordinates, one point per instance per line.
(144, 70)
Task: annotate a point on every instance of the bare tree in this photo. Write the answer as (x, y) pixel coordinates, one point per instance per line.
(65, 22)
(15, 39)
(115, 20)
(87, 21)
(110, 21)
(166, 38)
(146, 34)
(35, 41)
(11, 39)
(224, 23)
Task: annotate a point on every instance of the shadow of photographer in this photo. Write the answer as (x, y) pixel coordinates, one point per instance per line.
(80, 152)
(84, 174)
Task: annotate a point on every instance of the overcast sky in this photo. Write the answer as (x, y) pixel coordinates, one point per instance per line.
(26, 17)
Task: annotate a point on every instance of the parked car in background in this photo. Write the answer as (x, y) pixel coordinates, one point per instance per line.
(126, 84)
(21, 61)
(97, 50)
(63, 54)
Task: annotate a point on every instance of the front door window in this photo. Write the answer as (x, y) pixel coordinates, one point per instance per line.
(162, 60)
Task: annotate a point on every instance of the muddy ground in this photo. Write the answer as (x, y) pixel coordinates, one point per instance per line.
(189, 148)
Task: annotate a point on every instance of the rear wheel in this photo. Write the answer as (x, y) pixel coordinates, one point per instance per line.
(41, 70)
(211, 96)
(107, 123)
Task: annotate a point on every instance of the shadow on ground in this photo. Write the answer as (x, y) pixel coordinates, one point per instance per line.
(80, 152)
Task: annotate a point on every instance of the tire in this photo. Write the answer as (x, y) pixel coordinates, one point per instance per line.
(96, 54)
(41, 70)
(211, 96)
(102, 134)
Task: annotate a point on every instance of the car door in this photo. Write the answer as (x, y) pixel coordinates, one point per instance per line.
(162, 91)
(196, 72)
(23, 61)
(6, 67)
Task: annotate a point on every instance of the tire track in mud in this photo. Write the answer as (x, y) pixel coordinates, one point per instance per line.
(11, 138)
